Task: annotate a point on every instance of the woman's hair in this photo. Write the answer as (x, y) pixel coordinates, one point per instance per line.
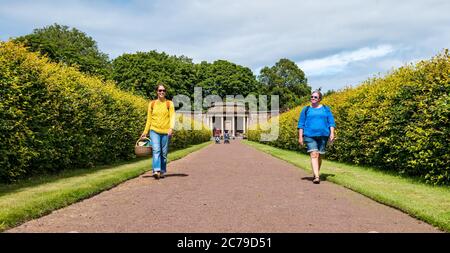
(159, 84)
(318, 92)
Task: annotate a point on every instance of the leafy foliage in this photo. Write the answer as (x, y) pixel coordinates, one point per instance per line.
(140, 72)
(400, 122)
(225, 78)
(286, 80)
(69, 46)
(52, 117)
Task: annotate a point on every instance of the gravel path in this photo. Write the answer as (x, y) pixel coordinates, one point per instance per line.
(227, 188)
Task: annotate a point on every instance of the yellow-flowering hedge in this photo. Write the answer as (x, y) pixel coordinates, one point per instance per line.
(399, 122)
(52, 117)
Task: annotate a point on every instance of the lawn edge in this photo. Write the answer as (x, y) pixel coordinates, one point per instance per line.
(107, 184)
(385, 201)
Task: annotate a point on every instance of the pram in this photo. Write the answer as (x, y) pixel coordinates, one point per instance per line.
(226, 138)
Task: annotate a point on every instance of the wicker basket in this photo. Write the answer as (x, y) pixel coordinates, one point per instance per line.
(140, 150)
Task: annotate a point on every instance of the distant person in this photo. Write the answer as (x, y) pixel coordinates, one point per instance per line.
(217, 136)
(226, 137)
(315, 128)
(160, 124)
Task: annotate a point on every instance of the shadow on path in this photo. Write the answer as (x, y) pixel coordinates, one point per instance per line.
(170, 175)
(323, 177)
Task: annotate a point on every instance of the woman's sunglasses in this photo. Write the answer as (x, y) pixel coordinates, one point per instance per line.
(161, 90)
(315, 97)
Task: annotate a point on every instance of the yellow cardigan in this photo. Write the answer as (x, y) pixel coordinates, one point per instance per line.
(160, 119)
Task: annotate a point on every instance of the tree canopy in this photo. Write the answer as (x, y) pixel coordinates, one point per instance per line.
(226, 78)
(69, 46)
(139, 72)
(287, 80)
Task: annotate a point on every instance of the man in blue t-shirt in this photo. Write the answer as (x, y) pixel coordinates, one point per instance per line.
(315, 127)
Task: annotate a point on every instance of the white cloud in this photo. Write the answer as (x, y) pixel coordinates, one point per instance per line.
(337, 62)
(337, 37)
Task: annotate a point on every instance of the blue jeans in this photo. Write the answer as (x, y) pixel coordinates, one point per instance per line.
(160, 146)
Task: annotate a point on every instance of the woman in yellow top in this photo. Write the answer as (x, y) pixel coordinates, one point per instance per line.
(160, 124)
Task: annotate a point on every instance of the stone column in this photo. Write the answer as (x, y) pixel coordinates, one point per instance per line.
(233, 131)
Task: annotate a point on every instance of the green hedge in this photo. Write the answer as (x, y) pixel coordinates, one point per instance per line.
(52, 117)
(399, 122)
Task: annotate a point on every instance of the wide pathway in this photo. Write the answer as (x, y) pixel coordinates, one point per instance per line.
(227, 188)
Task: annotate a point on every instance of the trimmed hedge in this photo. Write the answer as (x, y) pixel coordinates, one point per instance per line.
(399, 122)
(52, 117)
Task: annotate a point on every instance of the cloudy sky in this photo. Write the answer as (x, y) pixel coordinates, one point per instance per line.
(336, 43)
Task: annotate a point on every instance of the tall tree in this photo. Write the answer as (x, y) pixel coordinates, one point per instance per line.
(287, 80)
(139, 73)
(226, 78)
(69, 46)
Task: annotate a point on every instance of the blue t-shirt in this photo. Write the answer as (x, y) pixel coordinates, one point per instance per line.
(316, 122)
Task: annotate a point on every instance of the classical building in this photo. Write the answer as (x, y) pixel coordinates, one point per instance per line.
(232, 117)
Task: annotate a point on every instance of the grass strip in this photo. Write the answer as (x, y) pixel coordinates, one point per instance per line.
(425, 202)
(39, 196)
